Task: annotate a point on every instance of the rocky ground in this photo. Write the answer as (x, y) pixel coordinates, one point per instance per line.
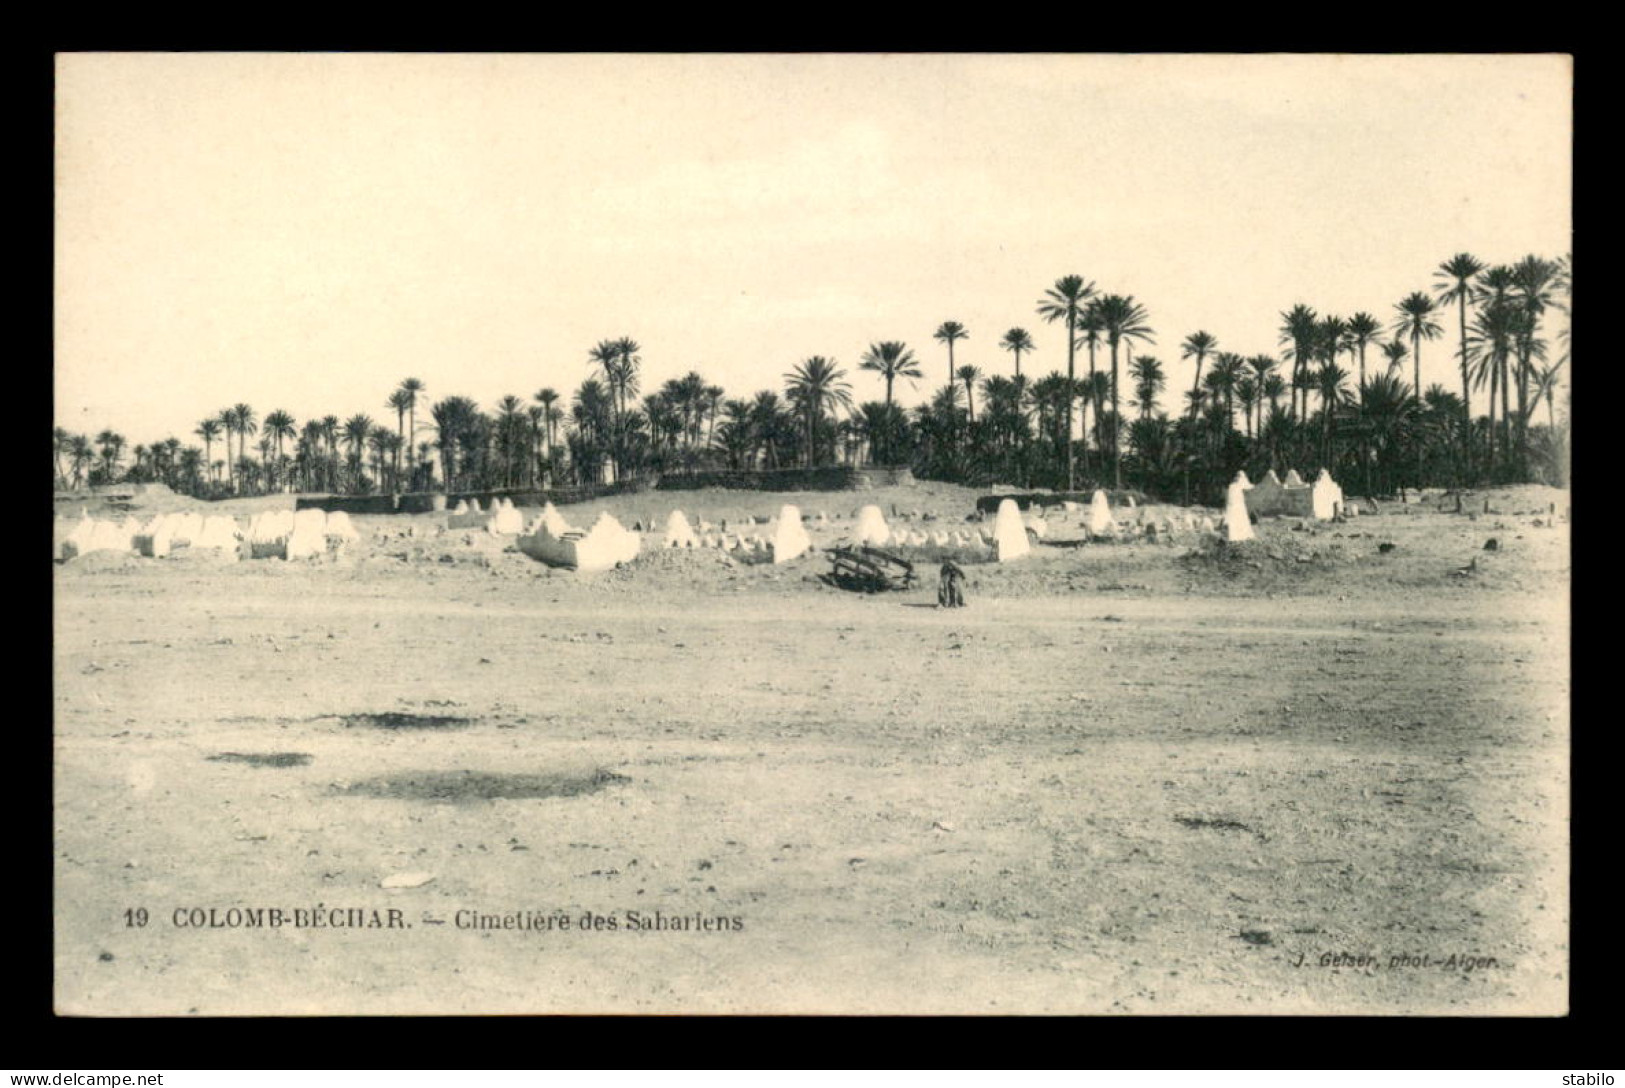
(1129, 777)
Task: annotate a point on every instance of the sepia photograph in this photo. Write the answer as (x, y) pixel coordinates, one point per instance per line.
(811, 533)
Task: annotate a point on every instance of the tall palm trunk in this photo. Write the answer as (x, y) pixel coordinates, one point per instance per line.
(1094, 408)
(1495, 368)
(1196, 386)
(1507, 457)
(1466, 395)
(1117, 452)
(1416, 364)
(1525, 349)
(1071, 377)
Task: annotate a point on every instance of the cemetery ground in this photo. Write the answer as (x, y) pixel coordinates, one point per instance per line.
(1307, 774)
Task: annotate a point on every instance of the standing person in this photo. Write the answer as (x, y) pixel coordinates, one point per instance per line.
(950, 585)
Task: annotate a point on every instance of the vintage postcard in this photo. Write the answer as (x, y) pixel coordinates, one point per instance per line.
(860, 534)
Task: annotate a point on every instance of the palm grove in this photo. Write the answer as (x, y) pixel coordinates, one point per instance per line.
(1340, 392)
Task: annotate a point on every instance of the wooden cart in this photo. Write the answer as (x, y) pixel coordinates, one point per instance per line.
(869, 570)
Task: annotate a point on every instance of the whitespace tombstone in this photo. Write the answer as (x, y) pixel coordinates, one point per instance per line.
(872, 528)
(1237, 525)
(220, 533)
(155, 538)
(1100, 514)
(1009, 534)
(505, 519)
(339, 527)
(78, 541)
(184, 528)
(1326, 497)
(790, 539)
(678, 532)
(553, 521)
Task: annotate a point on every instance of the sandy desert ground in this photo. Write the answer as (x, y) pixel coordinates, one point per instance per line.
(1128, 778)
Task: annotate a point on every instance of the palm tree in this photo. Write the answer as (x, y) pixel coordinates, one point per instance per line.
(111, 443)
(627, 372)
(1017, 341)
(381, 442)
(1121, 319)
(813, 385)
(1089, 333)
(970, 375)
(1395, 351)
(1065, 302)
(411, 389)
(1415, 320)
(279, 425)
(604, 355)
(243, 422)
(1264, 368)
(80, 454)
(714, 395)
(1198, 344)
(689, 399)
(1273, 387)
(1495, 327)
(191, 460)
(1333, 331)
(948, 332)
(1095, 390)
(1362, 329)
(510, 419)
(1535, 280)
(1247, 397)
(1329, 384)
(1228, 368)
(60, 441)
(1546, 388)
(734, 434)
(891, 359)
(1455, 284)
(208, 430)
(228, 423)
(309, 454)
(1383, 427)
(1148, 382)
(548, 397)
(401, 401)
(453, 417)
(357, 429)
(765, 421)
(1300, 330)
(330, 432)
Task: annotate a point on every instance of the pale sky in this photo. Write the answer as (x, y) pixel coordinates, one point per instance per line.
(303, 231)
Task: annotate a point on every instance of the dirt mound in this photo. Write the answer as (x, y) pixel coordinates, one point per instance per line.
(1267, 561)
(263, 759)
(97, 562)
(467, 786)
(396, 720)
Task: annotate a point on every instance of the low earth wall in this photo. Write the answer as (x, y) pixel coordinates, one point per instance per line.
(989, 504)
(558, 496)
(827, 478)
(425, 502)
(349, 504)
